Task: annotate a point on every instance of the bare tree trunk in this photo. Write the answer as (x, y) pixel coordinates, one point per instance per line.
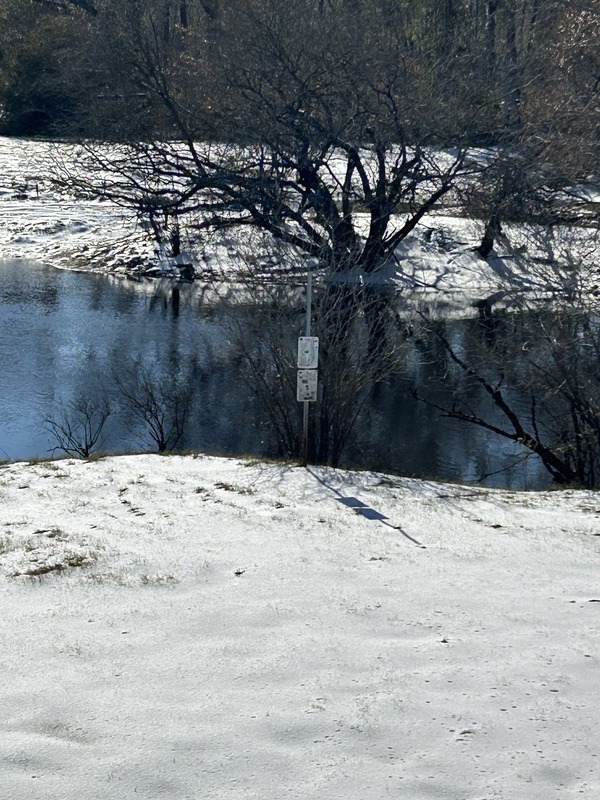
(490, 37)
(184, 19)
(492, 229)
(513, 90)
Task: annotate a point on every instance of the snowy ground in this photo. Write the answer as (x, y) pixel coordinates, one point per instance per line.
(194, 627)
(437, 264)
(37, 222)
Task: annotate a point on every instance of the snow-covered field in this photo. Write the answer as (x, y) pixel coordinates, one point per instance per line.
(194, 627)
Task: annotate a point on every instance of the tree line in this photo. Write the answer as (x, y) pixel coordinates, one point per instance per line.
(476, 71)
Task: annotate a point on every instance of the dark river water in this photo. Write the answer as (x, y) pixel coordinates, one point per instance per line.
(63, 334)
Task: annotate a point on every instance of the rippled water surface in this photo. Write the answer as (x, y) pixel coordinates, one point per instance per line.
(64, 333)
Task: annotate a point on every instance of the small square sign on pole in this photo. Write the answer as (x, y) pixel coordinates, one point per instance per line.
(308, 352)
(307, 386)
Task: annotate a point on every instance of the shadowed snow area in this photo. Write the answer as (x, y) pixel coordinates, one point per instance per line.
(194, 627)
(437, 263)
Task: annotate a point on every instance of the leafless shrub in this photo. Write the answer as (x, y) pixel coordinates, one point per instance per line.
(78, 427)
(537, 371)
(162, 403)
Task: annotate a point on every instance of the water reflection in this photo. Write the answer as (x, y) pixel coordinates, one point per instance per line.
(64, 333)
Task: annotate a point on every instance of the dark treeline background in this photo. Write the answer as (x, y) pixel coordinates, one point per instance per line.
(475, 71)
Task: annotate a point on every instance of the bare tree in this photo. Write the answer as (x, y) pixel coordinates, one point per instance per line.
(162, 404)
(77, 429)
(538, 369)
(328, 151)
(359, 346)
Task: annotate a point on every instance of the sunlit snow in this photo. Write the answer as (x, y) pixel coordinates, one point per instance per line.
(194, 627)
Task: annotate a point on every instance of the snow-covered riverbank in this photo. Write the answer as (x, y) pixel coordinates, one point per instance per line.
(436, 264)
(39, 223)
(194, 627)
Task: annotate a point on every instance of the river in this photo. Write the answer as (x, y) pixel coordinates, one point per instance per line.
(66, 334)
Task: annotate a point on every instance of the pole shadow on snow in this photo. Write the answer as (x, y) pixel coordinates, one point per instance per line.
(363, 509)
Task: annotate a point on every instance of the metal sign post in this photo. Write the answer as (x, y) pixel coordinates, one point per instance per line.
(308, 362)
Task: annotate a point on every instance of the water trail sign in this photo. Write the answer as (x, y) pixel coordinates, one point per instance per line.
(308, 352)
(306, 391)
(308, 361)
